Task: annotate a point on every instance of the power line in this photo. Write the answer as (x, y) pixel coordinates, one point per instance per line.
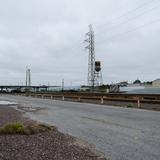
(133, 18)
(74, 49)
(134, 29)
(126, 21)
(128, 12)
(135, 9)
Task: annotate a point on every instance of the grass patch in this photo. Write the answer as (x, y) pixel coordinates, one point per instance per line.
(19, 128)
(13, 128)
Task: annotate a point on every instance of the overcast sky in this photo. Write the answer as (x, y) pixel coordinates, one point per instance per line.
(47, 36)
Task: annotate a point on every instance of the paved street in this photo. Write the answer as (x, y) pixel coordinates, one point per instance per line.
(120, 133)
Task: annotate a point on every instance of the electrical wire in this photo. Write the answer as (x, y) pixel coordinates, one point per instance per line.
(74, 49)
(133, 30)
(128, 12)
(133, 18)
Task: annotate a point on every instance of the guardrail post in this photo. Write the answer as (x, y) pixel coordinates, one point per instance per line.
(102, 100)
(79, 99)
(62, 98)
(138, 102)
(51, 97)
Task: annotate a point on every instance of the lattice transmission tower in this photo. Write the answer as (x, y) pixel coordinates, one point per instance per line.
(91, 58)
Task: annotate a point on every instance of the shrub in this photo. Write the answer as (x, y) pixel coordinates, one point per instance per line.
(13, 128)
(19, 128)
(129, 106)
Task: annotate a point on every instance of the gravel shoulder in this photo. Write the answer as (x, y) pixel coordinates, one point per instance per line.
(52, 145)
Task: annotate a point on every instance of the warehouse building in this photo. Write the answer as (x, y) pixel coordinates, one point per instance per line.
(156, 83)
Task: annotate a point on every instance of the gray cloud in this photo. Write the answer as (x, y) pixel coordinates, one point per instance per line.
(48, 37)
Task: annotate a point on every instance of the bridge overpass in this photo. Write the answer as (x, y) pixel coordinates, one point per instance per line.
(23, 88)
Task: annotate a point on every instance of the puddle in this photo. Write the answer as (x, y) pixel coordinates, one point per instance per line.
(7, 103)
(29, 109)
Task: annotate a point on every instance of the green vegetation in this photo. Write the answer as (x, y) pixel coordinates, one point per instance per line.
(13, 128)
(19, 128)
(137, 82)
(129, 106)
(104, 87)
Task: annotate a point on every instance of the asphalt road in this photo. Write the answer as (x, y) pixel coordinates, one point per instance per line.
(120, 133)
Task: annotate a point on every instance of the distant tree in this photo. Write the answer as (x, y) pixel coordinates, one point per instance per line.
(104, 87)
(137, 81)
(148, 82)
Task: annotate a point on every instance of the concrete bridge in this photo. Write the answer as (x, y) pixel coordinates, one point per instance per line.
(9, 88)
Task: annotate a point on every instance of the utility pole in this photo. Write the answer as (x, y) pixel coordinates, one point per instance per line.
(62, 85)
(91, 59)
(28, 77)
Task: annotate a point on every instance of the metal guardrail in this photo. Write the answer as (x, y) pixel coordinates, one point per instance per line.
(100, 98)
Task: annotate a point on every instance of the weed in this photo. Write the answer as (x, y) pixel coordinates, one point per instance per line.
(13, 128)
(19, 128)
